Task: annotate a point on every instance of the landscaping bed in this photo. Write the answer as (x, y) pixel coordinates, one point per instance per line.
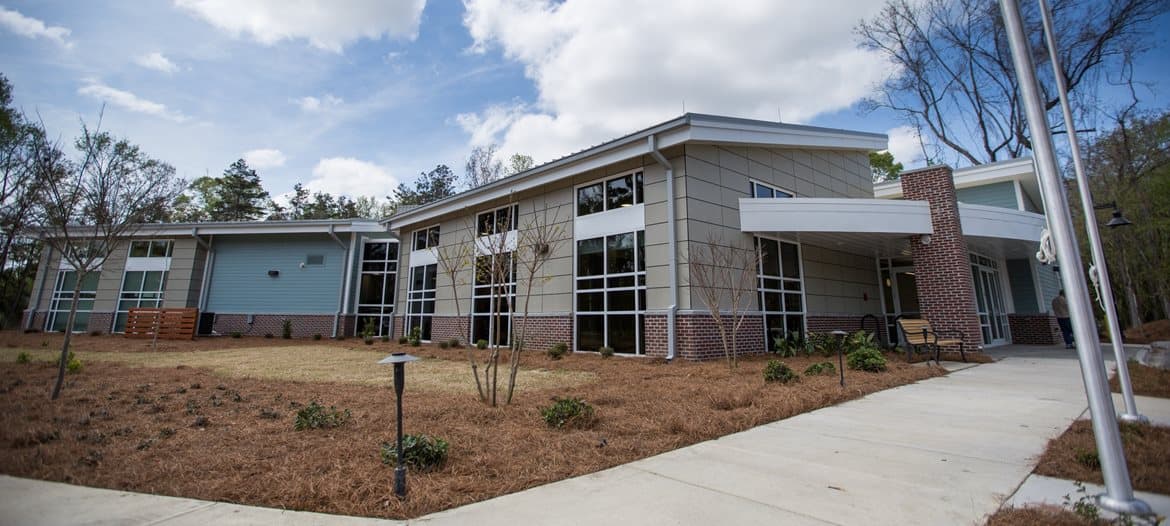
(1146, 381)
(225, 432)
(1034, 515)
(1073, 456)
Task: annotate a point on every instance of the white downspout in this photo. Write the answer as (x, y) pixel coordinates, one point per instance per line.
(672, 241)
(32, 314)
(208, 266)
(341, 290)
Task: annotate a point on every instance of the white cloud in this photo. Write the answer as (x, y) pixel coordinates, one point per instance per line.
(904, 145)
(603, 68)
(265, 158)
(128, 101)
(157, 62)
(32, 28)
(352, 177)
(314, 104)
(326, 24)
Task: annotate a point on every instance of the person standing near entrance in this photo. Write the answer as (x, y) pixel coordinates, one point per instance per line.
(1060, 310)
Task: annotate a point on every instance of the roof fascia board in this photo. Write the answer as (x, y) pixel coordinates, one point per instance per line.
(785, 136)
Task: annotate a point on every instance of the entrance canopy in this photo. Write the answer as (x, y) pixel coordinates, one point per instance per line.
(884, 227)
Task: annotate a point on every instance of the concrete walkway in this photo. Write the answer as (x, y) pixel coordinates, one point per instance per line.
(944, 451)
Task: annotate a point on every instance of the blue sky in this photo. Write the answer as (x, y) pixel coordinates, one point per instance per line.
(354, 96)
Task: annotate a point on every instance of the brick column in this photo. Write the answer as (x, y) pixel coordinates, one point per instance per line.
(946, 291)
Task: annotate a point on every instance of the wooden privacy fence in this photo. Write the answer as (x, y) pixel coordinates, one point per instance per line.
(172, 324)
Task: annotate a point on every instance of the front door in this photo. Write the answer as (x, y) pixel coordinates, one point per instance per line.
(989, 300)
(900, 295)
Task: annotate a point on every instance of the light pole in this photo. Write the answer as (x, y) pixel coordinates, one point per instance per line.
(1118, 495)
(1129, 414)
(399, 359)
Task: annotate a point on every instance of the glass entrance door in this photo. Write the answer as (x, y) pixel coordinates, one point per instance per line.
(989, 300)
(900, 294)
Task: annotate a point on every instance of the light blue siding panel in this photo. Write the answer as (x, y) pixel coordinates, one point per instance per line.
(1019, 273)
(240, 281)
(1001, 194)
(1049, 285)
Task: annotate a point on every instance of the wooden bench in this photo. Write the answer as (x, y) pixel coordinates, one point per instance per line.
(918, 335)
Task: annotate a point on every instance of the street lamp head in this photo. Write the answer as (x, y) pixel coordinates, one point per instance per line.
(1118, 219)
(398, 357)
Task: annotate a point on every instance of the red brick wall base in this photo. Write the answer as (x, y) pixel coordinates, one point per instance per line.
(698, 337)
(1034, 329)
(303, 325)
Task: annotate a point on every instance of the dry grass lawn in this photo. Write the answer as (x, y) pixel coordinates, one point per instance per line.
(1146, 381)
(1073, 456)
(218, 424)
(315, 363)
(1039, 515)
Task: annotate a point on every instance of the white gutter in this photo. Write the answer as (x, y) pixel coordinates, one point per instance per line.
(672, 241)
(344, 288)
(41, 290)
(208, 266)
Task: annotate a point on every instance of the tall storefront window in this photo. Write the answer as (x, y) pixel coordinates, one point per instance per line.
(379, 278)
(611, 293)
(781, 288)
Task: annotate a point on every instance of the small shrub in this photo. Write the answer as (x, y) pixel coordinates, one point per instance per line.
(317, 337)
(340, 337)
(778, 371)
(570, 412)
(368, 340)
(481, 344)
(443, 344)
(606, 352)
(820, 368)
(403, 340)
(867, 359)
(368, 330)
(286, 329)
(1089, 459)
(420, 452)
(558, 351)
(415, 336)
(23, 357)
(454, 343)
(236, 334)
(316, 416)
(415, 343)
(385, 338)
(74, 366)
(95, 333)
(268, 336)
(788, 346)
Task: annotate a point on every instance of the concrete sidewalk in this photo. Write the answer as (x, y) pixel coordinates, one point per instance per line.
(943, 451)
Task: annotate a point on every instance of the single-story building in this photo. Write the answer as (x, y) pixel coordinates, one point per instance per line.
(836, 251)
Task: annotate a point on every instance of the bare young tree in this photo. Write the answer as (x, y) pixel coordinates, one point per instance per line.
(99, 200)
(453, 260)
(495, 268)
(482, 166)
(952, 76)
(539, 238)
(724, 277)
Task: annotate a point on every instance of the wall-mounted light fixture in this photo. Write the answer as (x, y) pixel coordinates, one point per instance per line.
(924, 239)
(273, 273)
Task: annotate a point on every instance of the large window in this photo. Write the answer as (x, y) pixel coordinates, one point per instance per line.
(493, 297)
(497, 221)
(610, 194)
(151, 249)
(611, 293)
(781, 288)
(420, 300)
(140, 288)
(379, 276)
(426, 238)
(767, 191)
(63, 299)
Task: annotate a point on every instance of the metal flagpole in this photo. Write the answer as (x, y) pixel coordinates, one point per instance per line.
(1118, 495)
(1130, 414)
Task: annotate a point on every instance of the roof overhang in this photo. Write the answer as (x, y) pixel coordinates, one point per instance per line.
(690, 128)
(1000, 223)
(324, 226)
(1019, 170)
(857, 216)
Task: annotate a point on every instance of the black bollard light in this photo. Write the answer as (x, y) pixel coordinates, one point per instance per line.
(840, 353)
(399, 359)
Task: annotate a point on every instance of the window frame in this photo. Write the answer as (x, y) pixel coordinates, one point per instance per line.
(422, 297)
(140, 297)
(753, 184)
(59, 296)
(610, 286)
(638, 189)
(495, 220)
(150, 245)
(383, 312)
(762, 290)
(426, 238)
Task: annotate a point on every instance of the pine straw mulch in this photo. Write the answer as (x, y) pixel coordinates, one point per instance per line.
(1146, 381)
(1073, 456)
(1150, 332)
(1040, 514)
(134, 428)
